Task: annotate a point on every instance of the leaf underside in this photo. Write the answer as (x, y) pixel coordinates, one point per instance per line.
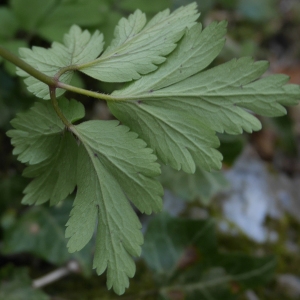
(79, 47)
(110, 167)
(178, 108)
(137, 49)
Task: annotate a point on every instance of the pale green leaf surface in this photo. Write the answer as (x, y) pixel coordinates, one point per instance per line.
(194, 53)
(115, 167)
(40, 139)
(38, 131)
(128, 159)
(55, 177)
(177, 115)
(110, 167)
(179, 140)
(138, 47)
(79, 47)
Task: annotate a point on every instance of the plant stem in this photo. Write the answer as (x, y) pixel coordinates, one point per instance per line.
(85, 92)
(26, 67)
(57, 108)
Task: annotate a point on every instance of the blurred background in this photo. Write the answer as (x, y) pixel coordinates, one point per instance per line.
(232, 234)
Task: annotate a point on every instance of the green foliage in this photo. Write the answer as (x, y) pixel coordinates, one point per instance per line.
(53, 19)
(18, 287)
(173, 107)
(201, 185)
(189, 264)
(40, 231)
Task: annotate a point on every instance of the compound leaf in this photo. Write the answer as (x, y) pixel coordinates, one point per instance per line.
(114, 166)
(79, 47)
(139, 47)
(178, 108)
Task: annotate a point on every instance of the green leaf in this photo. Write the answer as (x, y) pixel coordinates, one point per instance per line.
(84, 13)
(13, 46)
(8, 23)
(200, 186)
(50, 175)
(138, 47)
(198, 282)
(52, 19)
(145, 5)
(129, 161)
(114, 166)
(167, 238)
(38, 131)
(183, 255)
(41, 231)
(19, 287)
(248, 271)
(110, 166)
(177, 109)
(40, 139)
(79, 47)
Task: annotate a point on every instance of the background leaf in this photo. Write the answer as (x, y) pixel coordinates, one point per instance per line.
(189, 264)
(53, 19)
(163, 254)
(19, 288)
(201, 185)
(41, 231)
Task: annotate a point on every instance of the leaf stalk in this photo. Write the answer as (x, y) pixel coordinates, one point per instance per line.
(56, 107)
(88, 93)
